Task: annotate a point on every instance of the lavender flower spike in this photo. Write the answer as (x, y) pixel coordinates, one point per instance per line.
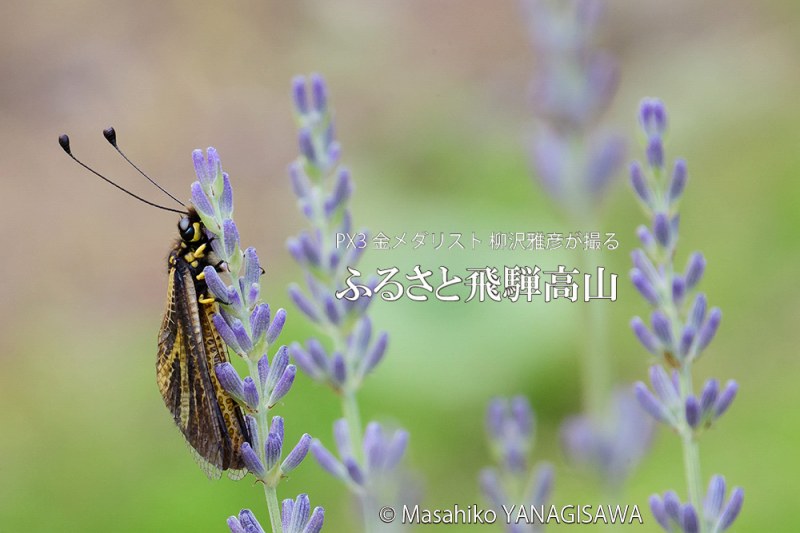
(510, 427)
(323, 188)
(683, 333)
(298, 518)
(243, 323)
(245, 523)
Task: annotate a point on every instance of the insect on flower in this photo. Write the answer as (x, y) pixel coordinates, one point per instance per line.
(189, 345)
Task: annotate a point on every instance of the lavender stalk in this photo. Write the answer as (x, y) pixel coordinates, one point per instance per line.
(681, 328)
(351, 350)
(513, 482)
(245, 324)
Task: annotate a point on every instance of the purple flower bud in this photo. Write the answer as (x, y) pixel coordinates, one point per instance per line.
(663, 386)
(645, 337)
(655, 153)
(492, 488)
(317, 353)
(245, 523)
(650, 404)
(689, 521)
(396, 448)
(698, 312)
(709, 395)
(279, 364)
(252, 429)
(334, 153)
(653, 117)
(354, 471)
(662, 327)
(226, 198)
(314, 524)
(339, 368)
(283, 385)
(229, 380)
(235, 526)
(709, 329)
(678, 289)
(715, 497)
(242, 338)
(276, 427)
(644, 287)
(300, 512)
(297, 454)
(523, 415)
(213, 162)
(374, 446)
(603, 161)
(299, 94)
(341, 192)
(287, 507)
(694, 269)
(303, 303)
(645, 237)
(687, 339)
(233, 300)
(226, 333)
(332, 310)
(215, 283)
(644, 265)
(252, 293)
(263, 370)
(327, 461)
(678, 181)
(250, 393)
(375, 354)
(272, 450)
(201, 168)
(251, 461)
(660, 514)
(731, 510)
(230, 236)
(277, 326)
(692, 411)
(259, 321)
(363, 334)
(305, 141)
(304, 361)
(296, 250)
(300, 183)
(672, 505)
(726, 398)
(319, 92)
(639, 184)
(200, 200)
(495, 417)
(252, 269)
(310, 248)
(661, 229)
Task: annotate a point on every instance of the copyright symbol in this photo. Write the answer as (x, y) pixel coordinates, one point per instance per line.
(386, 514)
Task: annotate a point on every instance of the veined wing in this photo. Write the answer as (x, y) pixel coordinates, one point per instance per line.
(189, 347)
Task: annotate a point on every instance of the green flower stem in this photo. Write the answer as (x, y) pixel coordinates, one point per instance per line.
(274, 511)
(691, 450)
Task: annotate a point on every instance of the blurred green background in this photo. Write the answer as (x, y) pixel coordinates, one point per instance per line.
(432, 109)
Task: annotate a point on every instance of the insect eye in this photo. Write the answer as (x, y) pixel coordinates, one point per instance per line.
(186, 229)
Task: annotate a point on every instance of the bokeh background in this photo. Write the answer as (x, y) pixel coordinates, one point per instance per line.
(432, 109)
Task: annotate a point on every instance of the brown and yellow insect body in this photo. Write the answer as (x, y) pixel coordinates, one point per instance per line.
(189, 347)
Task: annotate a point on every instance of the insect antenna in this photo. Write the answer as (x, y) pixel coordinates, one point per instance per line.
(111, 136)
(63, 140)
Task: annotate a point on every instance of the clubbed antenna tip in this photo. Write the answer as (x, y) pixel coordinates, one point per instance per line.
(63, 140)
(111, 135)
